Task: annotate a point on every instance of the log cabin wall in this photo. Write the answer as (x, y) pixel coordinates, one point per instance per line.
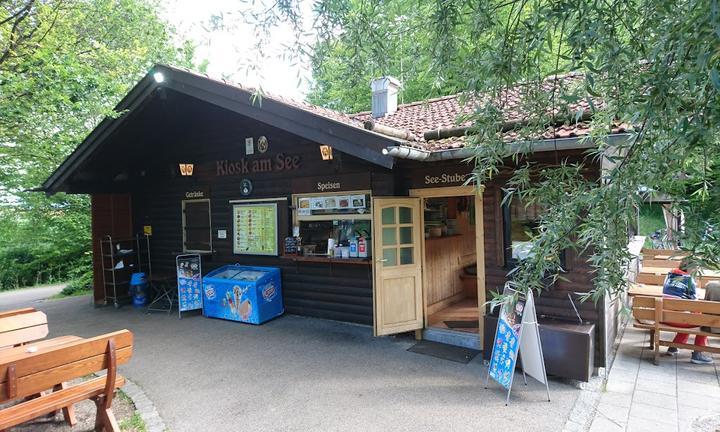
(333, 291)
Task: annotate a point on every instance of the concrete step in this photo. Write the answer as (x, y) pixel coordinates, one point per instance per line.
(452, 337)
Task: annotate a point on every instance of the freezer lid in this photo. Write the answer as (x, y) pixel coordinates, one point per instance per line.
(249, 275)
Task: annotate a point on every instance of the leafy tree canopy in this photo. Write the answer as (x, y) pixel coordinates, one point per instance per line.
(63, 66)
(653, 65)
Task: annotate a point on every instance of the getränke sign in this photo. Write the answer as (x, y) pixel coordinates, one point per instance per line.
(281, 162)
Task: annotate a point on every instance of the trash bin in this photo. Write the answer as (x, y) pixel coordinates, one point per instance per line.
(243, 293)
(138, 289)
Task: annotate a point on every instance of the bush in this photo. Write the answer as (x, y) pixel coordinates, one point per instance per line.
(23, 266)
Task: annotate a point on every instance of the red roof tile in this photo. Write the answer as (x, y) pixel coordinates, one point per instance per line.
(452, 111)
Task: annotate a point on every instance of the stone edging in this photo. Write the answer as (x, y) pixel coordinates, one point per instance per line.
(144, 407)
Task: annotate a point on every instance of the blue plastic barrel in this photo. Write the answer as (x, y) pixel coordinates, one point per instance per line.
(138, 289)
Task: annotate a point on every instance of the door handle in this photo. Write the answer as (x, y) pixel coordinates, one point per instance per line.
(382, 260)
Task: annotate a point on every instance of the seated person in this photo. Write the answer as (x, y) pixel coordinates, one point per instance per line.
(680, 284)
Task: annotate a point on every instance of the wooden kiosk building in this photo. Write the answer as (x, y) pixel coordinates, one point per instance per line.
(190, 155)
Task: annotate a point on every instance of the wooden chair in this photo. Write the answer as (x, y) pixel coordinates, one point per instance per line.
(17, 328)
(25, 374)
(654, 314)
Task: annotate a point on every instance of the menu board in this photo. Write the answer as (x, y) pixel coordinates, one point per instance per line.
(332, 204)
(507, 341)
(189, 280)
(256, 230)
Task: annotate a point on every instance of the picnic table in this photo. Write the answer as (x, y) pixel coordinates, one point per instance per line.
(641, 289)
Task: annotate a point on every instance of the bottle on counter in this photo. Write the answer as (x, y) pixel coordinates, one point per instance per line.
(362, 247)
(353, 247)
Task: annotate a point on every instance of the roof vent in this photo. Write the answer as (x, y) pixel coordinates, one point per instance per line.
(384, 96)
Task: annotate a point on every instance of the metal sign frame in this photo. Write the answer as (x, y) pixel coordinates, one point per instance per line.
(529, 300)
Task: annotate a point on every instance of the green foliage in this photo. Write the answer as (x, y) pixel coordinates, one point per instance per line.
(63, 66)
(650, 65)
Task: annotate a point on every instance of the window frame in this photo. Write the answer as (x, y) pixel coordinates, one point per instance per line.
(510, 263)
(184, 225)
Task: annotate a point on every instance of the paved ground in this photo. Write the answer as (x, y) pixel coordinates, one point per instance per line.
(28, 296)
(300, 374)
(643, 397)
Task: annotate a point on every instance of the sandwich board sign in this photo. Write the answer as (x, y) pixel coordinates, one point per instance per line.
(189, 282)
(517, 333)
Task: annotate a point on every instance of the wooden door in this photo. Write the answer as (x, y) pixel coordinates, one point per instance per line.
(397, 287)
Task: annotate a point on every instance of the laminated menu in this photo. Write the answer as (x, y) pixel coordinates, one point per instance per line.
(255, 229)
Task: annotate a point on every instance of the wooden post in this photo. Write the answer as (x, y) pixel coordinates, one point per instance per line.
(656, 332)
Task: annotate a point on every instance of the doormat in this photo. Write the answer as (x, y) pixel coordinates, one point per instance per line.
(469, 324)
(444, 351)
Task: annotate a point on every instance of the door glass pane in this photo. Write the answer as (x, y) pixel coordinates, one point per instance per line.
(389, 257)
(405, 214)
(388, 215)
(405, 235)
(406, 255)
(389, 236)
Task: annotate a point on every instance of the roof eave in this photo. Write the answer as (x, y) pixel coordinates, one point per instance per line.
(574, 143)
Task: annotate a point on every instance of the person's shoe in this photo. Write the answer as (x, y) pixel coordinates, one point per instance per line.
(699, 357)
(671, 351)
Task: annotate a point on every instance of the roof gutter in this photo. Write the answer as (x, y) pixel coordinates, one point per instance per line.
(411, 153)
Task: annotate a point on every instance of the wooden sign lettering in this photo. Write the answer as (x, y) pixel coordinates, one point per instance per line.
(281, 162)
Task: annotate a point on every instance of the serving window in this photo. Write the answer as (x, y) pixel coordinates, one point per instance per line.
(328, 223)
(196, 225)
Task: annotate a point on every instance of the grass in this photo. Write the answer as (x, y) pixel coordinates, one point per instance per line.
(651, 220)
(133, 424)
(64, 294)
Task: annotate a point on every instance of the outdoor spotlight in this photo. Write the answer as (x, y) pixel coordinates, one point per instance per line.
(186, 169)
(159, 77)
(326, 152)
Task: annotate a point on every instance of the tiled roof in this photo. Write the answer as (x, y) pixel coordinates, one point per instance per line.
(452, 111)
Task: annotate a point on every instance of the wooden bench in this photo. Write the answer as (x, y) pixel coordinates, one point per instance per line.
(17, 327)
(654, 314)
(24, 375)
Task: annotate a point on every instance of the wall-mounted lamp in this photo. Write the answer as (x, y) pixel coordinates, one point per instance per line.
(326, 152)
(159, 77)
(186, 169)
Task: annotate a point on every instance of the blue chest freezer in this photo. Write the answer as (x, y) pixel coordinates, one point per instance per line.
(243, 293)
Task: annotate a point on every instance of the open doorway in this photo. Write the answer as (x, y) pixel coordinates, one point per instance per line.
(451, 294)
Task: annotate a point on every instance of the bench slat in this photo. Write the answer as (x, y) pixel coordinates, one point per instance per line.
(704, 306)
(23, 335)
(69, 353)
(644, 314)
(667, 264)
(35, 408)
(650, 279)
(22, 321)
(14, 354)
(643, 301)
(690, 318)
(9, 313)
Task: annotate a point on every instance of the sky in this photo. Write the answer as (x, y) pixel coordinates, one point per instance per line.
(231, 51)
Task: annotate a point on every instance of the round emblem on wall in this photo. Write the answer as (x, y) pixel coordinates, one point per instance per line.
(246, 187)
(262, 144)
